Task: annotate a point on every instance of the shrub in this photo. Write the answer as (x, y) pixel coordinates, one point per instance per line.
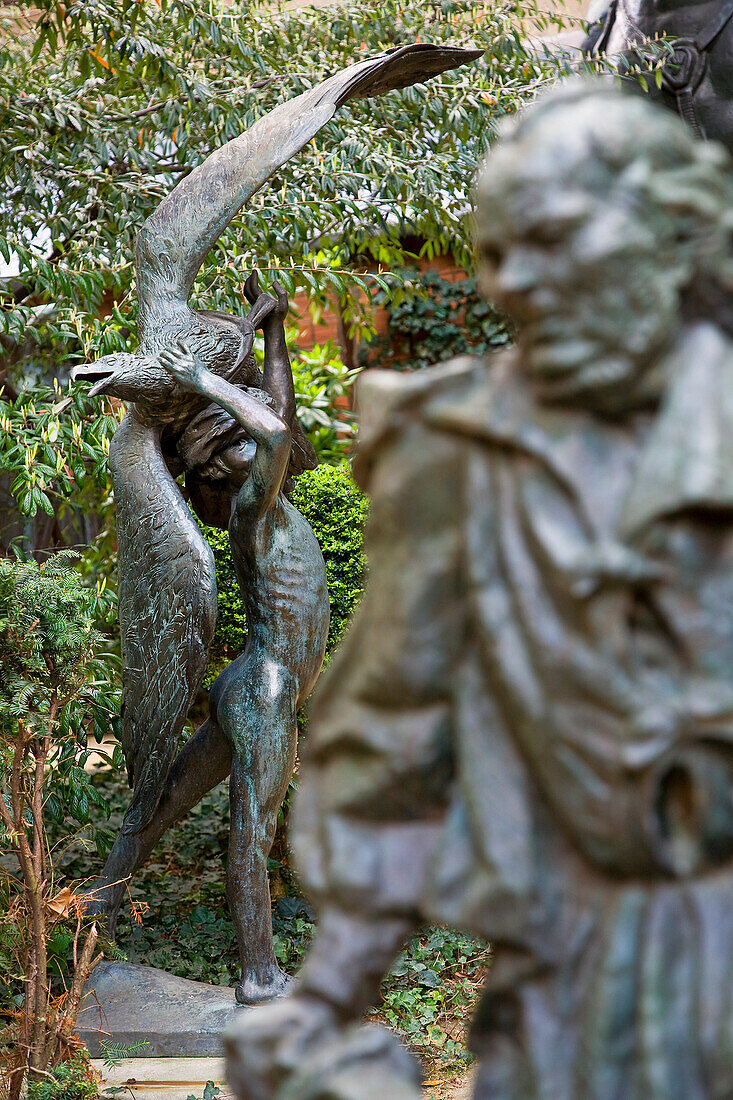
(231, 621)
(74, 1079)
(336, 510)
(54, 689)
(323, 394)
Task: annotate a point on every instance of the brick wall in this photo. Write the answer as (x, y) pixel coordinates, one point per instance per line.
(330, 326)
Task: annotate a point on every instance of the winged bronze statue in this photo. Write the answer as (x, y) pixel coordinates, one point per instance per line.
(167, 584)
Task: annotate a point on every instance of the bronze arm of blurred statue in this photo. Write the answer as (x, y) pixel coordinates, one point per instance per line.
(528, 732)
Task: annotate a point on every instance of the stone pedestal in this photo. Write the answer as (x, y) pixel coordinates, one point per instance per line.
(126, 1003)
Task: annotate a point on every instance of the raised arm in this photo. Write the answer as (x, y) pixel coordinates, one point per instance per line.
(265, 426)
(276, 372)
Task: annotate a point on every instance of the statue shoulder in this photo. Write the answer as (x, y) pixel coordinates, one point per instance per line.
(687, 462)
(387, 400)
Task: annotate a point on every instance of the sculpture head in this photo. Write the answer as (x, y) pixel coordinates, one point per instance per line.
(214, 447)
(596, 213)
(216, 455)
(130, 377)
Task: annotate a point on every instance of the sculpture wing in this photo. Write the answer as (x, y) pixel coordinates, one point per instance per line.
(167, 611)
(175, 239)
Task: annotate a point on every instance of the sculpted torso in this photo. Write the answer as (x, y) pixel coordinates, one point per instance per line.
(283, 580)
(606, 613)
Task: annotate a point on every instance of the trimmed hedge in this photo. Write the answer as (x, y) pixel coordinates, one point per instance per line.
(336, 510)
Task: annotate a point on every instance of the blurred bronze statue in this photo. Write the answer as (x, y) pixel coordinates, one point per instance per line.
(528, 731)
(201, 407)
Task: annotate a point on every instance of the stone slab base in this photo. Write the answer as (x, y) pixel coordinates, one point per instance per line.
(127, 1004)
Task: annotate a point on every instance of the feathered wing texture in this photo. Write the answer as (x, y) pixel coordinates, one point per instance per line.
(167, 610)
(174, 241)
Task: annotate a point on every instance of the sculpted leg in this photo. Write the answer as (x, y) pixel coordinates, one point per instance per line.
(263, 762)
(302, 1045)
(203, 762)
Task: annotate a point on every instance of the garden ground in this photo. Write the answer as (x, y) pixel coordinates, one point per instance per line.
(181, 1078)
(178, 921)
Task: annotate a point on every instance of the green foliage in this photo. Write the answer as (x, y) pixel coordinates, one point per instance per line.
(336, 510)
(73, 1079)
(431, 990)
(211, 1091)
(431, 319)
(231, 620)
(114, 101)
(55, 679)
(199, 945)
(323, 391)
(113, 1053)
(54, 445)
(57, 686)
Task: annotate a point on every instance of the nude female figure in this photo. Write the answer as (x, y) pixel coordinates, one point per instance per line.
(251, 730)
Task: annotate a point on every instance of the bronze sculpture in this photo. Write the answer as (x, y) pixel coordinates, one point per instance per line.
(167, 594)
(254, 702)
(527, 731)
(251, 731)
(696, 75)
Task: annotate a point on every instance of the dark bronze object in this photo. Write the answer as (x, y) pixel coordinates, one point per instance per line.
(697, 76)
(200, 405)
(528, 731)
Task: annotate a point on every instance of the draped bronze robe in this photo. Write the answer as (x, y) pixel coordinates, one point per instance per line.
(528, 730)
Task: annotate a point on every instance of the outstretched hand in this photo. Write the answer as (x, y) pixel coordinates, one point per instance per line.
(252, 288)
(183, 366)
(267, 309)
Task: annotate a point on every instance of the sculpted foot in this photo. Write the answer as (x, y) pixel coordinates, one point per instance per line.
(250, 991)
